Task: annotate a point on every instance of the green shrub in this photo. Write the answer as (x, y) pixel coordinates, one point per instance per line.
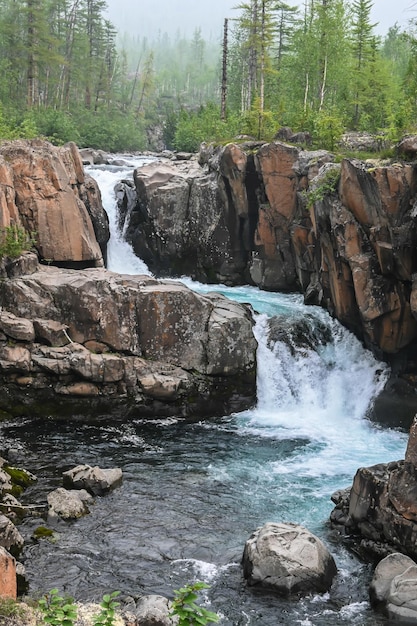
(325, 186)
(108, 605)
(14, 240)
(185, 608)
(9, 609)
(328, 129)
(56, 610)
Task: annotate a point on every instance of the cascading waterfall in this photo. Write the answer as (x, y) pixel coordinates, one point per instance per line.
(193, 492)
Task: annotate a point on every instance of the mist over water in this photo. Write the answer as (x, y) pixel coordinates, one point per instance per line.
(194, 491)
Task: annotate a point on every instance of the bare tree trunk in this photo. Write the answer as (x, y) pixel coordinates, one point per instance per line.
(323, 84)
(224, 73)
(306, 93)
(262, 73)
(253, 55)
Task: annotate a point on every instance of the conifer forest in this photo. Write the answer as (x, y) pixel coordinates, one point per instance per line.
(67, 74)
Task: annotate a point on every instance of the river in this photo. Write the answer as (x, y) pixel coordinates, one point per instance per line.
(193, 491)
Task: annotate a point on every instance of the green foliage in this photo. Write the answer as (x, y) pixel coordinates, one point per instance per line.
(185, 608)
(43, 532)
(327, 185)
(259, 123)
(57, 610)
(9, 608)
(13, 241)
(108, 605)
(328, 128)
(58, 127)
(110, 131)
(204, 125)
(61, 611)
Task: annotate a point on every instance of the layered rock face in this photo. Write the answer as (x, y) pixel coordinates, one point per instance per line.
(75, 341)
(45, 190)
(379, 512)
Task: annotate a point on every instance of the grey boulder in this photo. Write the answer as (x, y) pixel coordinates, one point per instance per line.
(289, 559)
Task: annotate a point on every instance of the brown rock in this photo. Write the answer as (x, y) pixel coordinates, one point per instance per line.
(42, 178)
(8, 582)
(51, 332)
(16, 327)
(274, 267)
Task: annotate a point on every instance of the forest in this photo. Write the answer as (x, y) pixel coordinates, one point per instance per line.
(66, 74)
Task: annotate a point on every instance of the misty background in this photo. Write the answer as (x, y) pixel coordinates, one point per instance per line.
(147, 18)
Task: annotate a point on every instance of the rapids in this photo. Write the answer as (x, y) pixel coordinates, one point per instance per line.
(193, 491)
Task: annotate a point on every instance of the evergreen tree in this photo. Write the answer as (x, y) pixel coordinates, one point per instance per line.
(364, 52)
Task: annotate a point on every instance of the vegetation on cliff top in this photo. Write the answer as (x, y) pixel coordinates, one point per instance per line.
(66, 75)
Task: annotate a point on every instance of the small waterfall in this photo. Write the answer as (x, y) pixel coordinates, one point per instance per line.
(120, 256)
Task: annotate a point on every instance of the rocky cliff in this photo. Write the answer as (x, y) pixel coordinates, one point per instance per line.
(288, 219)
(378, 514)
(78, 340)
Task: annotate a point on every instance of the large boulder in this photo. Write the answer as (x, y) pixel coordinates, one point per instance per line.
(289, 559)
(187, 220)
(10, 537)
(69, 503)
(379, 512)
(153, 610)
(121, 343)
(394, 588)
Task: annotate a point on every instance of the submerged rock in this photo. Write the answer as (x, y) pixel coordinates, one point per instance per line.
(306, 333)
(289, 559)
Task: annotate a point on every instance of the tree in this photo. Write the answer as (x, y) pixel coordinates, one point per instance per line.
(363, 48)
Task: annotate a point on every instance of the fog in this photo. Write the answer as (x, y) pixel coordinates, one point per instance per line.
(148, 17)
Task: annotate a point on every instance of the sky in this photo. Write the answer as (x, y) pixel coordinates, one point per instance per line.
(146, 17)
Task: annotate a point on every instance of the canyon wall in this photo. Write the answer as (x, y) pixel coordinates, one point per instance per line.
(344, 234)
